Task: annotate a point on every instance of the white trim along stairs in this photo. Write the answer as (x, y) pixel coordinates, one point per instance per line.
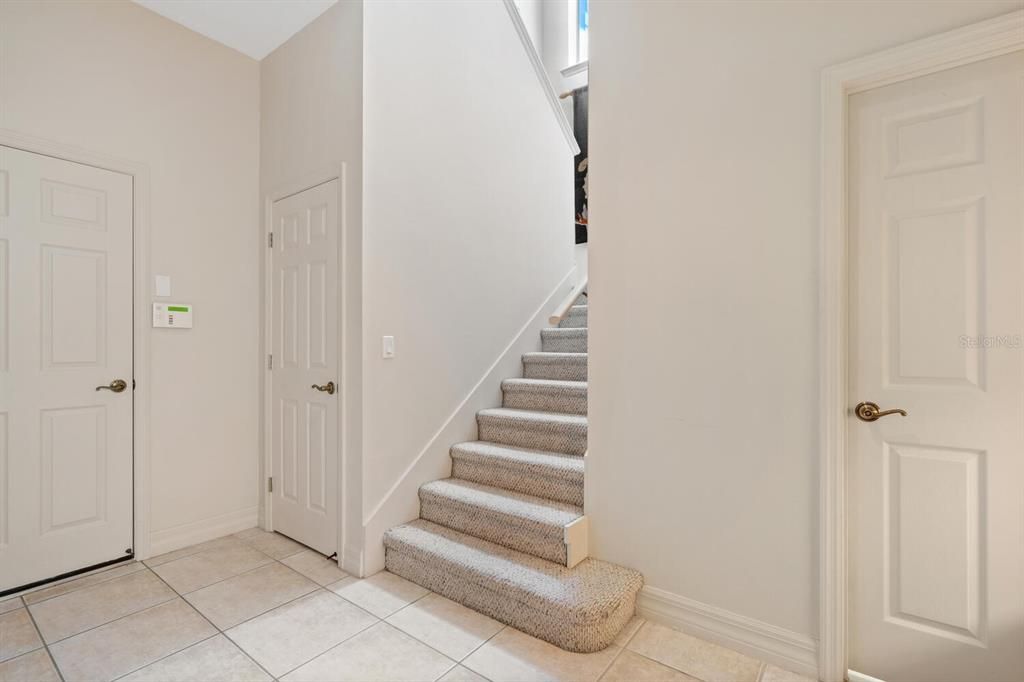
(506, 534)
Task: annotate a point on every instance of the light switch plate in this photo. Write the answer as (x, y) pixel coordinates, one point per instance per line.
(388, 350)
(162, 284)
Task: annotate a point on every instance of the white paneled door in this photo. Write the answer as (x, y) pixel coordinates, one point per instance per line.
(65, 329)
(936, 499)
(305, 381)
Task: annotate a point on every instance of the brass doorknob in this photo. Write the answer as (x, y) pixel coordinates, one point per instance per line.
(117, 385)
(327, 388)
(869, 412)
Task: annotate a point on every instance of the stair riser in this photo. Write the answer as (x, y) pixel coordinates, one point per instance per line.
(536, 539)
(569, 439)
(572, 321)
(519, 480)
(486, 600)
(563, 371)
(553, 343)
(547, 400)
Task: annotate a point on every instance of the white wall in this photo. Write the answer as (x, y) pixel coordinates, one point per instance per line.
(117, 79)
(704, 130)
(467, 215)
(312, 108)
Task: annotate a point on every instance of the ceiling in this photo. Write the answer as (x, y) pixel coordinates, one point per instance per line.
(253, 27)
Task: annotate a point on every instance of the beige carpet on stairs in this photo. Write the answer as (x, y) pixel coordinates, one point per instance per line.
(491, 536)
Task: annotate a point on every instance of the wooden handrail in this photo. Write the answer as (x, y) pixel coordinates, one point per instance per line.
(563, 308)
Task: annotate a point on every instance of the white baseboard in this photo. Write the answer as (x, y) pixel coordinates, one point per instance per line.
(854, 676)
(770, 643)
(176, 537)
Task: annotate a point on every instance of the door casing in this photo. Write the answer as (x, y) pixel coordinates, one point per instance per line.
(141, 295)
(984, 40)
(331, 172)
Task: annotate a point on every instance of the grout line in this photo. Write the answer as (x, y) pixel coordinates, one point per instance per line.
(217, 630)
(45, 646)
(176, 651)
(114, 620)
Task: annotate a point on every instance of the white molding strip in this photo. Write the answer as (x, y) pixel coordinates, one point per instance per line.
(766, 642)
(582, 67)
(186, 534)
(984, 40)
(542, 75)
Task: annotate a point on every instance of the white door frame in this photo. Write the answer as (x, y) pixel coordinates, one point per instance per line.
(141, 294)
(992, 38)
(332, 172)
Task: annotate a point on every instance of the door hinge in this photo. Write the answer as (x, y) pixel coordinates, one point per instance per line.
(270, 361)
(270, 240)
(133, 384)
(270, 484)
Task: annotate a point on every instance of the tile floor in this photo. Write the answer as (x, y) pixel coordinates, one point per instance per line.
(258, 606)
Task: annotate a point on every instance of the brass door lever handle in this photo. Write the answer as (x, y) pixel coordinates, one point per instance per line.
(117, 385)
(869, 412)
(327, 388)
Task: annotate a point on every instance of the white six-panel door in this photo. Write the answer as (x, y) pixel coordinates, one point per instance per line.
(65, 328)
(936, 535)
(304, 347)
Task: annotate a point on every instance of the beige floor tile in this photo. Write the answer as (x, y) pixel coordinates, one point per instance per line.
(127, 644)
(216, 543)
(35, 666)
(450, 628)
(693, 656)
(630, 667)
(290, 635)
(191, 573)
(10, 604)
(17, 634)
(216, 658)
(775, 674)
(381, 594)
(513, 656)
(316, 567)
(86, 608)
(234, 600)
(380, 654)
(89, 580)
(460, 674)
(271, 544)
(627, 632)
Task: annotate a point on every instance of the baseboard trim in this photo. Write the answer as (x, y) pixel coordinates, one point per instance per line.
(854, 676)
(778, 646)
(186, 534)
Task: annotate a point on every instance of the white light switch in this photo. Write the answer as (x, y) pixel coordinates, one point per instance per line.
(163, 285)
(389, 347)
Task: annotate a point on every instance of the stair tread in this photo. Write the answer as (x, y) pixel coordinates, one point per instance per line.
(551, 356)
(559, 384)
(569, 464)
(584, 594)
(564, 331)
(532, 416)
(488, 499)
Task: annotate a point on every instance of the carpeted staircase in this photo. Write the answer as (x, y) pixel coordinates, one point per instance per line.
(506, 535)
